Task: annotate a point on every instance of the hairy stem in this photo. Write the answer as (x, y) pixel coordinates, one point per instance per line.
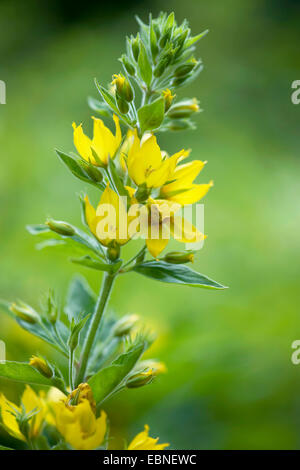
(106, 288)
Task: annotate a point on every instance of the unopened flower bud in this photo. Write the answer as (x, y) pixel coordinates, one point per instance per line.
(176, 257)
(122, 104)
(161, 66)
(168, 97)
(135, 46)
(91, 171)
(24, 312)
(123, 87)
(140, 379)
(128, 65)
(113, 251)
(41, 365)
(185, 69)
(60, 227)
(125, 325)
(184, 109)
(142, 193)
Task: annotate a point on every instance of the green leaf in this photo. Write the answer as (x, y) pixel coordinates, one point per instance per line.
(22, 372)
(99, 107)
(92, 263)
(107, 380)
(175, 274)
(151, 115)
(144, 65)
(80, 298)
(6, 448)
(190, 42)
(116, 180)
(75, 168)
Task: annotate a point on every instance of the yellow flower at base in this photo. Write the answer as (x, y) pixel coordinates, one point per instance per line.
(104, 143)
(79, 426)
(32, 403)
(143, 441)
(109, 222)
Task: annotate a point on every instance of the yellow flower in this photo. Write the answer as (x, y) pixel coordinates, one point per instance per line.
(78, 424)
(109, 222)
(104, 143)
(32, 403)
(164, 223)
(146, 164)
(181, 188)
(168, 97)
(142, 441)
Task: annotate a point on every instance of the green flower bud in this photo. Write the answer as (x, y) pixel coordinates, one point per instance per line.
(177, 81)
(180, 125)
(24, 312)
(41, 365)
(135, 47)
(125, 325)
(140, 379)
(113, 251)
(128, 65)
(185, 69)
(184, 109)
(122, 105)
(91, 171)
(52, 309)
(161, 67)
(177, 257)
(142, 193)
(60, 227)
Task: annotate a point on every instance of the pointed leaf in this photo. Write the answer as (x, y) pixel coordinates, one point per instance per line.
(151, 115)
(22, 372)
(107, 380)
(175, 274)
(75, 168)
(144, 65)
(80, 298)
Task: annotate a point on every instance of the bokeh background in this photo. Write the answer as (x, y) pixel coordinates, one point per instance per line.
(230, 381)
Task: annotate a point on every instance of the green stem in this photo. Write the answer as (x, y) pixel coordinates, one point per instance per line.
(71, 359)
(106, 288)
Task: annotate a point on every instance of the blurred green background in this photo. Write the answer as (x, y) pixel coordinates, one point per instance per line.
(230, 381)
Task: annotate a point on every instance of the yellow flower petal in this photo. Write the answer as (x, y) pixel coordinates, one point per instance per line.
(185, 232)
(192, 195)
(142, 441)
(90, 215)
(82, 143)
(156, 246)
(9, 421)
(184, 175)
(104, 142)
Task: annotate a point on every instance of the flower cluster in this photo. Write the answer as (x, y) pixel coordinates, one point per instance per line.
(143, 190)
